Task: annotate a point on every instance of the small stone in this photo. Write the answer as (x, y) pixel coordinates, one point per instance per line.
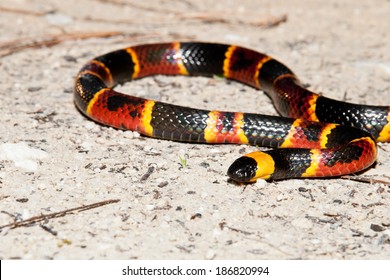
(377, 228)
(25, 214)
(210, 255)
(280, 197)
(128, 134)
(150, 207)
(162, 184)
(260, 183)
(216, 232)
(136, 134)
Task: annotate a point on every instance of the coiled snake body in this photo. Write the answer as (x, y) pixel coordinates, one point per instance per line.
(318, 136)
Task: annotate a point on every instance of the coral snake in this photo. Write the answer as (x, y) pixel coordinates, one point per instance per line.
(319, 137)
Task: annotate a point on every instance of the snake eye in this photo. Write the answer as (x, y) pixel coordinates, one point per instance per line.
(243, 169)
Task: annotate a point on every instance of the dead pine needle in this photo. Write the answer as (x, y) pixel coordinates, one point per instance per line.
(71, 211)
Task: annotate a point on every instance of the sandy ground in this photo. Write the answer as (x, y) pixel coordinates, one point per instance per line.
(52, 159)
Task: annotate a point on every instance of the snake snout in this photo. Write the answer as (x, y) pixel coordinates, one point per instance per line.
(243, 169)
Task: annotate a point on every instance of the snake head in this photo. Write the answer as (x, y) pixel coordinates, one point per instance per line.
(252, 166)
(243, 170)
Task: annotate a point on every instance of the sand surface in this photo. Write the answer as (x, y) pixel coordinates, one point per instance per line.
(150, 203)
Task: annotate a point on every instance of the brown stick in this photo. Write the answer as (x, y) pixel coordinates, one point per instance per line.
(63, 213)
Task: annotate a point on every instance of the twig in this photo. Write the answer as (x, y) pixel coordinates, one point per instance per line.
(365, 180)
(271, 22)
(10, 47)
(63, 213)
(214, 18)
(223, 225)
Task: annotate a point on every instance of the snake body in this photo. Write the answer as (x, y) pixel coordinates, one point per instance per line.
(318, 136)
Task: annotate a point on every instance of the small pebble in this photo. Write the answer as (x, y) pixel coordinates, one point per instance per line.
(377, 228)
(210, 255)
(280, 197)
(260, 183)
(150, 207)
